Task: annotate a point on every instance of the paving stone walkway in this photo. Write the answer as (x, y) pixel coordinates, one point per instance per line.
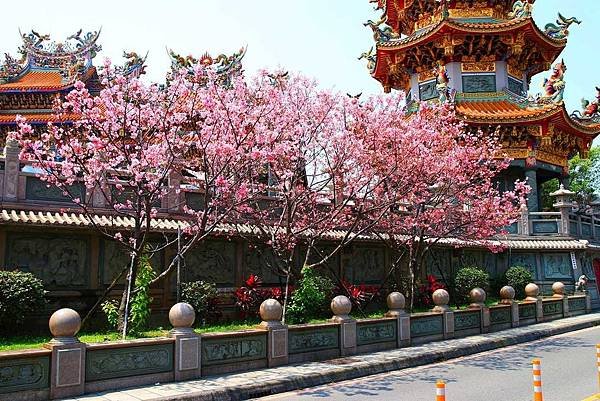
(247, 385)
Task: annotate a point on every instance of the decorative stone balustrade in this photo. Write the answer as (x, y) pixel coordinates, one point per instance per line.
(69, 368)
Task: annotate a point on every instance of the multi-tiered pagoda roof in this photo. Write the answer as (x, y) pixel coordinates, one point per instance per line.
(46, 69)
(481, 55)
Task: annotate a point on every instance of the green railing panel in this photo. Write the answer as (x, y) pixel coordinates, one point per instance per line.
(577, 304)
(426, 326)
(550, 308)
(310, 340)
(113, 363)
(376, 332)
(218, 351)
(500, 316)
(24, 374)
(467, 320)
(527, 311)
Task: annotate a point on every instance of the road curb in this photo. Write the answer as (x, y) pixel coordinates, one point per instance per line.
(290, 378)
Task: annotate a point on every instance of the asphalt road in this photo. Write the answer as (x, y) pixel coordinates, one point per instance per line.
(568, 374)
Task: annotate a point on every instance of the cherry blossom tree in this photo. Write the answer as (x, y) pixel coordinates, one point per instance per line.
(129, 149)
(321, 187)
(444, 191)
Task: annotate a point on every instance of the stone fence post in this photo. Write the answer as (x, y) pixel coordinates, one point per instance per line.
(558, 292)
(478, 297)
(441, 298)
(67, 366)
(10, 192)
(271, 313)
(396, 303)
(507, 297)
(341, 307)
(187, 342)
(533, 295)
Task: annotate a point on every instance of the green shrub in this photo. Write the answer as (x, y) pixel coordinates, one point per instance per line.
(312, 297)
(139, 307)
(141, 302)
(468, 278)
(21, 294)
(518, 277)
(203, 298)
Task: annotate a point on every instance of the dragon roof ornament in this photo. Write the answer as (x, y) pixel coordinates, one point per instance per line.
(43, 52)
(222, 65)
(70, 57)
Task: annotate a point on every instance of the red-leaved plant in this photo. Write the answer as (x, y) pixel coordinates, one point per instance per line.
(249, 296)
(423, 297)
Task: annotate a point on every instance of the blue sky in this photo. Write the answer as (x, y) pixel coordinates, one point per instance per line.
(320, 38)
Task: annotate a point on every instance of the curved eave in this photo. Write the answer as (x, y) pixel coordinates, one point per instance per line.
(14, 87)
(387, 50)
(392, 8)
(456, 27)
(555, 113)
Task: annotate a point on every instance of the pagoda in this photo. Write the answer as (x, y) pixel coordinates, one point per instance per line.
(45, 70)
(480, 55)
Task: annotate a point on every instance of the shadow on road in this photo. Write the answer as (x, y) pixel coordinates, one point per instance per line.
(504, 360)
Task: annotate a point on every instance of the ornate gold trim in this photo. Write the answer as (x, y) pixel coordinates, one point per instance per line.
(426, 75)
(475, 12)
(478, 67)
(514, 72)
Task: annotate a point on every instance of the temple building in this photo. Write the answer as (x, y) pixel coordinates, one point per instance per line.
(480, 56)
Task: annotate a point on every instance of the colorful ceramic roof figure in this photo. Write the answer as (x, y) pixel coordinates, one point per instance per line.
(480, 55)
(45, 70)
(223, 65)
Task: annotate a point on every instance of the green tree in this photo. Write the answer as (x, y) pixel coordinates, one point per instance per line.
(585, 180)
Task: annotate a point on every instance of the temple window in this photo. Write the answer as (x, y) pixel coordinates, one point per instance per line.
(515, 85)
(478, 83)
(428, 91)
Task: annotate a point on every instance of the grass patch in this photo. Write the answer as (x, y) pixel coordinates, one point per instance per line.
(15, 343)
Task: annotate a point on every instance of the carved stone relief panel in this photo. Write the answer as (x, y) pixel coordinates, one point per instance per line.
(212, 261)
(260, 260)
(113, 259)
(60, 261)
(364, 265)
(36, 189)
(439, 260)
(557, 266)
(526, 260)
(470, 258)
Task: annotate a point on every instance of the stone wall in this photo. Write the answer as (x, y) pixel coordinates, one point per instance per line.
(76, 265)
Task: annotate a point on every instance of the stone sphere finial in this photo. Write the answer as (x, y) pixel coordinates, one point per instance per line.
(478, 297)
(558, 289)
(182, 316)
(396, 303)
(441, 299)
(532, 291)
(64, 325)
(507, 295)
(341, 307)
(271, 312)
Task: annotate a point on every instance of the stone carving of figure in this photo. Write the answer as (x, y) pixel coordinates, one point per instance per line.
(581, 283)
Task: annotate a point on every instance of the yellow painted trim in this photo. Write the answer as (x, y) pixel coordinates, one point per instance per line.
(592, 398)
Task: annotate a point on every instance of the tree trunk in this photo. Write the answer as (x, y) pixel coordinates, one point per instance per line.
(124, 306)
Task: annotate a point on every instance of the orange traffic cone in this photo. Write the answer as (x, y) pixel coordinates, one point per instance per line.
(598, 363)
(440, 394)
(537, 380)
